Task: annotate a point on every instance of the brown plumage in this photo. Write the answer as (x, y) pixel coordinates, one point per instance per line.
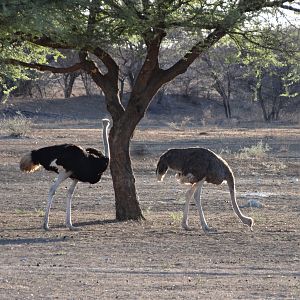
(194, 166)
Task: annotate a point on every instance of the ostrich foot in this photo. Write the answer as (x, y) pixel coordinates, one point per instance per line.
(208, 229)
(72, 228)
(185, 226)
(46, 227)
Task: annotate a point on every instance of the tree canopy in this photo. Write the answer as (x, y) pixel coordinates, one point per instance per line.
(90, 25)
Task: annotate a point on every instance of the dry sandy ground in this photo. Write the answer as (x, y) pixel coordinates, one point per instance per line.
(154, 259)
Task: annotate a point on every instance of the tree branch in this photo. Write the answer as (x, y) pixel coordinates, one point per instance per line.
(220, 31)
(44, 41)
(265, 45)
(108, 82)
(253, 6)
(153, 39)
(109, 62)
(92, 17)
(41, 67)
(289, 7)
(182, 65)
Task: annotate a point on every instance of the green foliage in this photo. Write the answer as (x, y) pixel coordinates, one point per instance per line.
(113, 21)
(87, 24)
(272, 57)
(8, 74)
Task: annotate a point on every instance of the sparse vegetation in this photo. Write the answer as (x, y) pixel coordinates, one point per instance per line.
(256, 151)
(59, 253)
(274, 166)
(176, 217)
(225, 151)
(165, 261)
(17, 126)
(40, 212)
(180, 125)
(19, 211)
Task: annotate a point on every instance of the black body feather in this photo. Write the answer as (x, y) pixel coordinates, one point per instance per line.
(85, 165)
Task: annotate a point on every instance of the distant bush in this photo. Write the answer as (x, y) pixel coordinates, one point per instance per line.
(256, 151)
(181, 125)
(17, 126)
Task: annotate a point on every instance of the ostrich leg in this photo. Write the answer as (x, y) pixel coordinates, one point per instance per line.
(197, 198)
(69, 202)
(188, 195)
(61, 177)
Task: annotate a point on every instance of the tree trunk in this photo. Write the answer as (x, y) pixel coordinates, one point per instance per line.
(264, 110)
(149, 80)
(279, 108)
(228, 94)
(87, 84)
(225, 98)
(226, 105)
(69, 80)
(127, 205)
(261, 102)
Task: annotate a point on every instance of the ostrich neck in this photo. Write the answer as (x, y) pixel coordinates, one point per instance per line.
(105, 141)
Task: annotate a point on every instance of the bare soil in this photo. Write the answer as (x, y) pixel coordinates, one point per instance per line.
(153, 259)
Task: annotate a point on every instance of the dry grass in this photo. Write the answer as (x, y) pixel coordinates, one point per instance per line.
(182, 125)
(17, 126)
(255, 151)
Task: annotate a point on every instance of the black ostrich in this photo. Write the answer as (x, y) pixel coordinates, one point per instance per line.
(69, 161)
(194, 166)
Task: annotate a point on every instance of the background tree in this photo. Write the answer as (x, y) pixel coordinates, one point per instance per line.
(68, 79)
(273, 69)
(222, 65)
(95, 28)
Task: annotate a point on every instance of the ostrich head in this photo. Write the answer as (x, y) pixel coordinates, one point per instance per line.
(161, 168)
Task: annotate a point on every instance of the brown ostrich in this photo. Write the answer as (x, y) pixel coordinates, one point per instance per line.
(68, 161)
(194, 166)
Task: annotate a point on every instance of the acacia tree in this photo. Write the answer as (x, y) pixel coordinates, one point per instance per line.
(221, 70)
(273, 72)
(96, 27)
